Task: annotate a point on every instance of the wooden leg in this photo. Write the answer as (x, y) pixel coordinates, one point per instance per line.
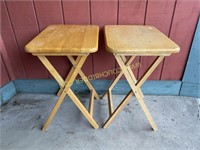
(149, 71)
(118, 77)
(61, 82)
(66, 80)
(60, 91)
(82, 109)
(144, 108)
(53, 112)
(118, 109)
(91, 104)
(85, 79)
(66, 89)
(110, 103)
(131, 74)
(146, 75)
(124, 102)
(52, 70)
(112, 84)
(77, 68)
(68, 77)
(135, 86)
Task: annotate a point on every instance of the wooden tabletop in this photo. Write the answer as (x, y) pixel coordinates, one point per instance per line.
(138, 39)
(65, 39)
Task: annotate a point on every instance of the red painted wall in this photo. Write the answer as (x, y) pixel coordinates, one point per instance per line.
(23, 20)
(4, 73)
(6, 69)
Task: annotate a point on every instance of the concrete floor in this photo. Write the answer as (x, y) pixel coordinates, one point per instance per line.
(176, 117)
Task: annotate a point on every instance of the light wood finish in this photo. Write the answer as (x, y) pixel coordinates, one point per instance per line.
(52, 70)
(112, 84)
(67, 78)
(82, 109)
(59, 54)
(135, 40)
(54, 110)
(150, 70)
(127, 62)
(91, 104)
(65, 39)
(145, 76)
(85, 79)
(110, 103)
(135, 90)
(118, 109)
(131, 74)
(66, 89)
(139, 40)
(118, 77)
(80, 62)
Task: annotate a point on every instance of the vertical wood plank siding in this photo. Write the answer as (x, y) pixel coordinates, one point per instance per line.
(159, 14)
(25, 25)
(132, 12)
(182, 31)
(11, 45)
(102, 13)
(50, 12)
(23, 20)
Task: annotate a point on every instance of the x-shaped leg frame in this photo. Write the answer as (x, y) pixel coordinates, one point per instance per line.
(85, 79)
(65, 88)
(135, 88)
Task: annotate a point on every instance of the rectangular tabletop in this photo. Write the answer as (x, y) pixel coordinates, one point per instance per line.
(138, 39)
(65, 39)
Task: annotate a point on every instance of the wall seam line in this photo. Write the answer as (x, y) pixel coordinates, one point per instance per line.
(36, 16)
(62, 10)
(117, 24)
(15, 38)
(140, 59)
(173, 14)
(90, 11)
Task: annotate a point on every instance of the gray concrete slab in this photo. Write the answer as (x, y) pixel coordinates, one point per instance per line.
(177, 119)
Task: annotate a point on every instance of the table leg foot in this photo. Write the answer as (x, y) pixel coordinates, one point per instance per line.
(44, 129)
(106, 124)
(146, 111)
(60, 91)
(104, 95)
(118, 109)
(82, 109)
(155, 129)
